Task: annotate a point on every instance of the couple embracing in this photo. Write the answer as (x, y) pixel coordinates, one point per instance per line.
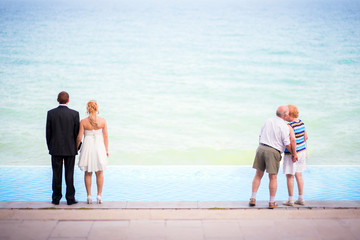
(277, 137)
(64, 133)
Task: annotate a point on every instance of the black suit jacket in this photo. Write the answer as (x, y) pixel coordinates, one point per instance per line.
(62, 128)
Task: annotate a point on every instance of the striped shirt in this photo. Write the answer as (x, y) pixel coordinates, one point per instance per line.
(299, 129)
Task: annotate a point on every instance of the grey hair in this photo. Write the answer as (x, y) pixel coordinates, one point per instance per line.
(282, 113)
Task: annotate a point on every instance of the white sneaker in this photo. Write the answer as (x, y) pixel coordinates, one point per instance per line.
(289, 203)
(300, 202)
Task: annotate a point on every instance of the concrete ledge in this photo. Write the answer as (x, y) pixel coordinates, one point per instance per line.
(178, 214)
(219, 205)
(179, 221)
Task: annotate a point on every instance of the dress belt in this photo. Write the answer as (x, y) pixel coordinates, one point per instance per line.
(269, 147)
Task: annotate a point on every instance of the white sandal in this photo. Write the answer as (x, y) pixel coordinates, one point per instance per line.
(89, 199)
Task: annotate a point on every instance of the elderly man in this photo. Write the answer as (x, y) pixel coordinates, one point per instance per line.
(274, 138)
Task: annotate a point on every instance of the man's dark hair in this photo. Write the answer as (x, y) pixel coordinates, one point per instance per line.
(63, 97)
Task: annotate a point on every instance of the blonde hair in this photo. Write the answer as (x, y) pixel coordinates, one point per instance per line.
(92, 110)
(293, 111)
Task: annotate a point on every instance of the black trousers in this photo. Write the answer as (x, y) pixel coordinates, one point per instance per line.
(57, 166)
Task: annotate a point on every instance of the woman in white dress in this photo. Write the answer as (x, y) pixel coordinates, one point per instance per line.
(94, 150)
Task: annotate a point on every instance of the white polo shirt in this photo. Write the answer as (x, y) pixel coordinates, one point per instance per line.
(275, 133)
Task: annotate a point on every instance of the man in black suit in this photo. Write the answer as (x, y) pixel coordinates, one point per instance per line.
(62, 127)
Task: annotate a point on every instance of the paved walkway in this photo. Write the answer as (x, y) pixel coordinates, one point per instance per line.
(179, 220)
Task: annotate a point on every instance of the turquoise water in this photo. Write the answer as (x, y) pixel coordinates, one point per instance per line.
(181, 183)
(181, 82)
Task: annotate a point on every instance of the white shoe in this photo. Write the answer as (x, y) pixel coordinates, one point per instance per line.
(289, 203)
(300, 202)
(89, 200)
(99, 200)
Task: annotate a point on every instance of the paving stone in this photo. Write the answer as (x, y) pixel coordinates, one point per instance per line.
(248, 223)
(72, 229)
(333, 229)
(67, 238)
(259, 233)
(8, 229)
(184, 223)
(226, 238)
(147, 229)
(221, 229)
(298, 229)
(109, 230)
(26, 229)
(182, 233)
(353, 225)
(41, 220)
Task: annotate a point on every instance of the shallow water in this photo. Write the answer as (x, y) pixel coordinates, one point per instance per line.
(181, 183)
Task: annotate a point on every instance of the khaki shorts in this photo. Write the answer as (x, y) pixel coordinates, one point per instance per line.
(267, 158)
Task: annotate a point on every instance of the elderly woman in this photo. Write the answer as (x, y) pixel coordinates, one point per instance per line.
(294, 167)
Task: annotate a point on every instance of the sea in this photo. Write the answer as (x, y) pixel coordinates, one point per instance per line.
(181, 82)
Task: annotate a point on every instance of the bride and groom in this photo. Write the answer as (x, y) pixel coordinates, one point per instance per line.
(64, 132)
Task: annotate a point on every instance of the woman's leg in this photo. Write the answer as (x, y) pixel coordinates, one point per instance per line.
(87, 178)
(99, 181)
(290, 185)
(300, 182)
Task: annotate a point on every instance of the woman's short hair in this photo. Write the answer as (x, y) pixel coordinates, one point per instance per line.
(293, 111)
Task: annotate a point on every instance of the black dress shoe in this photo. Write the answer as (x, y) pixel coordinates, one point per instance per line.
(55, 202)
(72, 202)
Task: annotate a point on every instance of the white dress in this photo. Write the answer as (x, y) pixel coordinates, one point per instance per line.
(93, 156)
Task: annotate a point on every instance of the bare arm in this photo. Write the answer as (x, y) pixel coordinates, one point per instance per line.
(292, 148)
(80, 135)
(106, 139)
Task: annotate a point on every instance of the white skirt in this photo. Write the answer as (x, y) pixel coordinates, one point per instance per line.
(290, 167)
(93, 156)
